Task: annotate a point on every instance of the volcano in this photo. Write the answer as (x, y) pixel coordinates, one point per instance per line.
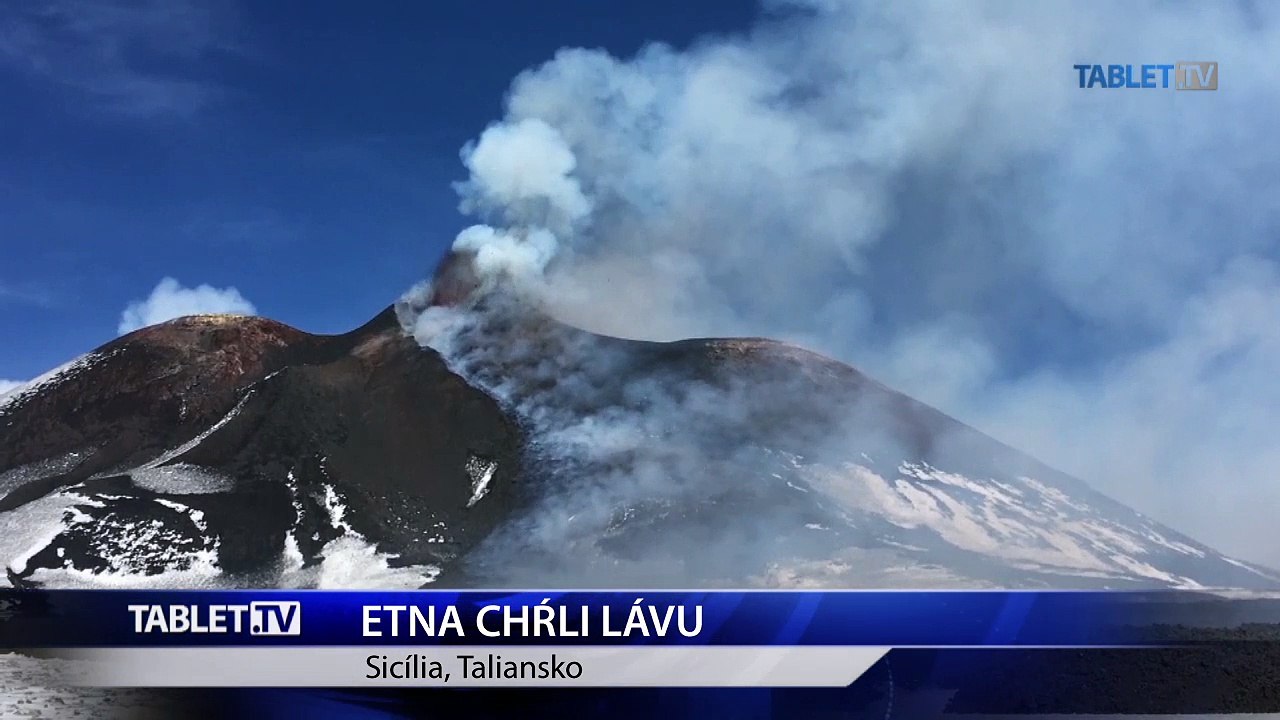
(465, 439)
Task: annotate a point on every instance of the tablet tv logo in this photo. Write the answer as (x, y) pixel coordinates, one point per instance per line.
(265, 618)
(1185, 75)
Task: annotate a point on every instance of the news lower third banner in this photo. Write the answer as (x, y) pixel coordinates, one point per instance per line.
(543, 639)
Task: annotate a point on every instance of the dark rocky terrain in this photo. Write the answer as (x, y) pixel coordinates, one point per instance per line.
(221, 435)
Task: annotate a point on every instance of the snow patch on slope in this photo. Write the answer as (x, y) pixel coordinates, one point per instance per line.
(1251, 568)
(181, 479)
(481, 473)
(30, 528)
(349, 561)
(136, 553)
(33, 472)
(1035, 527)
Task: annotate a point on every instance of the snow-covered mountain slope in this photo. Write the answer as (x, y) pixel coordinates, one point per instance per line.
(502, 448)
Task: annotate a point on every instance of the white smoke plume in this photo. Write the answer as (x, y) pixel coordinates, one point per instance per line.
(633, 458)
(171, 300)
(523, 172)
(922, 190)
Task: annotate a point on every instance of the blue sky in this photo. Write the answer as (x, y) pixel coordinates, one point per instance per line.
(301, 152)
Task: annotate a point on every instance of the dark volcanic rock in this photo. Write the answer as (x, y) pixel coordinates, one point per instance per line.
(142, 393)
(292, 435)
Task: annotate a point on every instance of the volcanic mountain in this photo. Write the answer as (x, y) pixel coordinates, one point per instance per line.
(465, 439)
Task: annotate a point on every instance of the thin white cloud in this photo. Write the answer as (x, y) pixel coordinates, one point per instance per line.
(25, 294)
(97, 51)
(8, 386)
(171, 300)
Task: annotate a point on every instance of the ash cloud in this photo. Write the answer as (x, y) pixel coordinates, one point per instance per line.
(923, 191)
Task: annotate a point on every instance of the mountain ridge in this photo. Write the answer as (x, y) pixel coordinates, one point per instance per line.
(254, 453)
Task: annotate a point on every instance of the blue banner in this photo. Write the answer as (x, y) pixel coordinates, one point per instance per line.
(936, 619)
